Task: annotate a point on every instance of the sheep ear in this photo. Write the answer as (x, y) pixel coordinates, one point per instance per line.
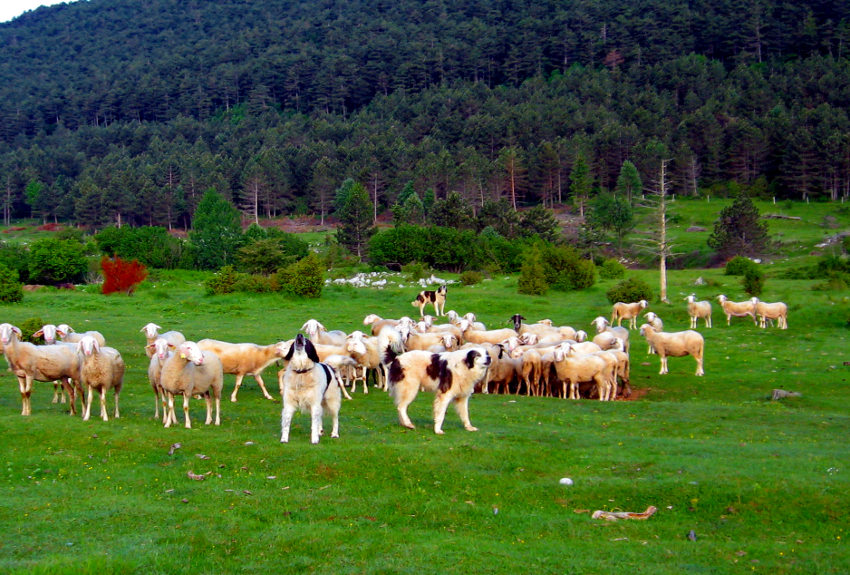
(60, 333)
(39, 333)
(17, 330)
(150, 346)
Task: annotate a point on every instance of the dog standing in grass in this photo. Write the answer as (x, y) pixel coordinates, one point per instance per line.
(436, 298)
(451, 375)
(309, 386)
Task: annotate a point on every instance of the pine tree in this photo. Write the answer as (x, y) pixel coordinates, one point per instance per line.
(217, 232)
(354, 210)
(738, 231)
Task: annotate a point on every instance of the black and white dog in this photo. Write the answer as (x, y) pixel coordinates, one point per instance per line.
(436, 298)
(309, 386)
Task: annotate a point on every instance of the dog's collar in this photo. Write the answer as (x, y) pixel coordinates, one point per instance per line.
(303, 370)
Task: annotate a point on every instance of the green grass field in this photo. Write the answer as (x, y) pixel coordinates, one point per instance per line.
(762, 484)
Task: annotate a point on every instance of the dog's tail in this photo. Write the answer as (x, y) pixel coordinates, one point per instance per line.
(390, 344)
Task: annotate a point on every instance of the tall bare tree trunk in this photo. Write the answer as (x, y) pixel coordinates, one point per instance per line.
(663, 248)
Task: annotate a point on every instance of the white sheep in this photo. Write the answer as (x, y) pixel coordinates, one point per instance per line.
(364, 350)
(318, 333)
(241, 359)
(160, 351)
(191, 371)
(656, 323)
(67, 334)
(47, 363)
(675, 344)
(472, 335)
(737, 309)
(697, 310)
(602, 326)
(771, 311)
(151, 331)
(573, 369)
(49, 333)
(629, 311)
(101, 369)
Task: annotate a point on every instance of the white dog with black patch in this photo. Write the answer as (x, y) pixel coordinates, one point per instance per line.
(451, 375)
(309, 386)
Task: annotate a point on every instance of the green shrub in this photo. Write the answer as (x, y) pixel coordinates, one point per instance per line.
(11, 290)
(254, 283)
(223, 281)
(739, 265)
(631, 289)
(415, 271)
(532, 276)
(753, 281)
(305, 277)
(611, 269)
(470, 278)
(845, 243)
(55, 261)
(29, 327)
(16, 257)
(565, 269)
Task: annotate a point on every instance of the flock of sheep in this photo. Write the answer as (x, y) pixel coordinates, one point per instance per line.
(537, 359)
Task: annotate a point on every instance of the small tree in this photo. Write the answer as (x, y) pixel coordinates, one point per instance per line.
(305, 278)
(613, 213)
(629, 183)
(532, 276)
(121, 275)
(753, 281)
(581, 182)
(217, 231)
(11, 290)
(354, 210)
(55, 261)
(738, 231)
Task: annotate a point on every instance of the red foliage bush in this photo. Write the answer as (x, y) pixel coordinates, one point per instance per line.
(121, 275)
(50, 227)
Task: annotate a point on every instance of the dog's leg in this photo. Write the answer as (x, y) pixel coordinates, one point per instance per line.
(441, 404)
(462, 408)
(315, 422)
(285, 421)
(405, 392)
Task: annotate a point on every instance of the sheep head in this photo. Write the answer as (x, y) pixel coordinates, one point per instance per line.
(151, 330)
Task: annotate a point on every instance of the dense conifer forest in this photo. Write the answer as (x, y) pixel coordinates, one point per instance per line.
(116, 110)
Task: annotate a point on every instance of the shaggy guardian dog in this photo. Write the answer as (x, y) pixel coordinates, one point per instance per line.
(451, 375)
(308, 385)
(436, 298)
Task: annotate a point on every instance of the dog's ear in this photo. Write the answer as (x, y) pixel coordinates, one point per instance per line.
(470, 358)
(310, 349)
(289, 353)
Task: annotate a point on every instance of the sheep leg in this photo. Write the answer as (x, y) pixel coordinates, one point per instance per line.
(103, 414)
(663, 365)
(315, 422)
(117, 393)
(187, 395)
(262, 386)
(208, 401)
(87, 401)
(68, 387)
(462, 408)
(285, 421)
(341, 386)
(168, 416)
(699, 366)
(239, 378)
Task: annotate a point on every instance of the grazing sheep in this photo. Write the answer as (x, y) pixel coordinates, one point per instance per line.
(47, 363)
(151, 331)
(737, 309)
(771, 311)
(629, 311)
(427, 340)
(697, 310)
(243, 359)
(676, 344)
(101, 368)
(191, 371)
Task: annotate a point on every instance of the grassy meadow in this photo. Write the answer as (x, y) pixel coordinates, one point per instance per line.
(761, 484)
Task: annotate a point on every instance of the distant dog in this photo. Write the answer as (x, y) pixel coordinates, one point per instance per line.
(436, 298)
(451, 375)
(308, 386)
